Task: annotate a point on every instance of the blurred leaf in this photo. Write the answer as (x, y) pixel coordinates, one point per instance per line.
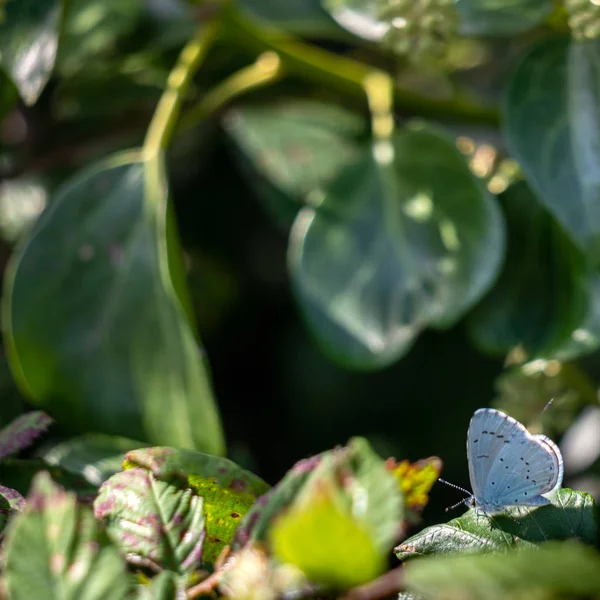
(165, 586)
(54, 550)
(152, 521)
(404, 238)
(302, 17)
(507, 17)
(566, 568)
(360, 17)
(21, 202)
(552, 124)
(112, 351)
(8, 95)
(95, 456)
(22, 432)
(547, 295)
(29, 32)
(297, 146)
(11, 404)
(10, 503)
(327, 543)
(92, 28)
(19, 474)
(571, 515)
(228, 491)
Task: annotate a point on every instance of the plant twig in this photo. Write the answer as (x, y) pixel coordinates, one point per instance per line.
(389, 583)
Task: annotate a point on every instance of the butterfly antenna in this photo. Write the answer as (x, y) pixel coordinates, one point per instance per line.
(463, 501)
(456, 487)
(548, 405)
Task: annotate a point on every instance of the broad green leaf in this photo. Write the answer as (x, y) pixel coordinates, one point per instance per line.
(152, 522)
(556, 569)
(302, 17)
(112, 351)
(294, 147)
(571, 515)
(227, 490)
(96, 456)
(547, 297)
(29, 32)
(22, 432)
(55, 550)
(501, 17)
(327, 543)
(403, 239)
(552, 124)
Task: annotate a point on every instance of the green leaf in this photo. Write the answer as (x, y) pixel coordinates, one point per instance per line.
(504, 17)
(54, 550)
(29, 31)
(571, 515)
(545, 299)
(327, 544)
(552, 124)
(22, 432)
(294, 147)
(11, 502)
(556, 569)
(228, 491)
(404, 238)
(152, 522)
(165, 586)
(95, 456)
(112, 351)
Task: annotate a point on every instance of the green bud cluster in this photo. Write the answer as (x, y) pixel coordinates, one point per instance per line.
(418, 29)
(584, 18)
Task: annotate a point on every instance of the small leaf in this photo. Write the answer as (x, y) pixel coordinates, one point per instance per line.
(22, 432)
(54, 550)
(327, 543)
(403, 239)
(96, 456)
(509, 17)
(113, 350)
(556, 569)
(28, 43)
(545, 299)
(552, 124)
(571, 515)
(151, 521)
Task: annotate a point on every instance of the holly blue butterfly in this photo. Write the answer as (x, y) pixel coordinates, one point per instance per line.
(508, 466)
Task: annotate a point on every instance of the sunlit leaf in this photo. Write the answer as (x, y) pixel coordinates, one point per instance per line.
(28, 43)
(152, 521)
(556, 569)
(571, 515)
(403, 239)
(112, 351)
(22, 432)
(55, 550)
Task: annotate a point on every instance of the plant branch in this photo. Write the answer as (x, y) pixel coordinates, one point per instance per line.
(347, 75)
(165, 117)
(390, 583)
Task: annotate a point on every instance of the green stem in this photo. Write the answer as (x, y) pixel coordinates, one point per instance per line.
(345, 74)
(166, 113)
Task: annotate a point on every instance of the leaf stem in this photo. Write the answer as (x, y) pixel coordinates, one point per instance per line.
(166, 113)
(346, 74)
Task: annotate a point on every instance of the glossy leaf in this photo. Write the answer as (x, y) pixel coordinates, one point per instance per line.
(112, 351)
(571, 515)
(327, 544)
(556, 569)
(94, 455)
(29, 33)
(360, 17)
(547, 298)
(152, 522)
(294, 147)
(552, 124)
(403, 239)
(55, 550)
(509, 17)
(22, 432)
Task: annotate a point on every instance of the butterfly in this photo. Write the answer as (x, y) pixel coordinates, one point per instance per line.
(508, 466)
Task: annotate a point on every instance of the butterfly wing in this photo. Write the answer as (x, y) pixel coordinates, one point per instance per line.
(508, 465)
(486, 437)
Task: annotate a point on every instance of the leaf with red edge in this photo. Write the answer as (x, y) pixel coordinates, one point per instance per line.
(22, 432)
